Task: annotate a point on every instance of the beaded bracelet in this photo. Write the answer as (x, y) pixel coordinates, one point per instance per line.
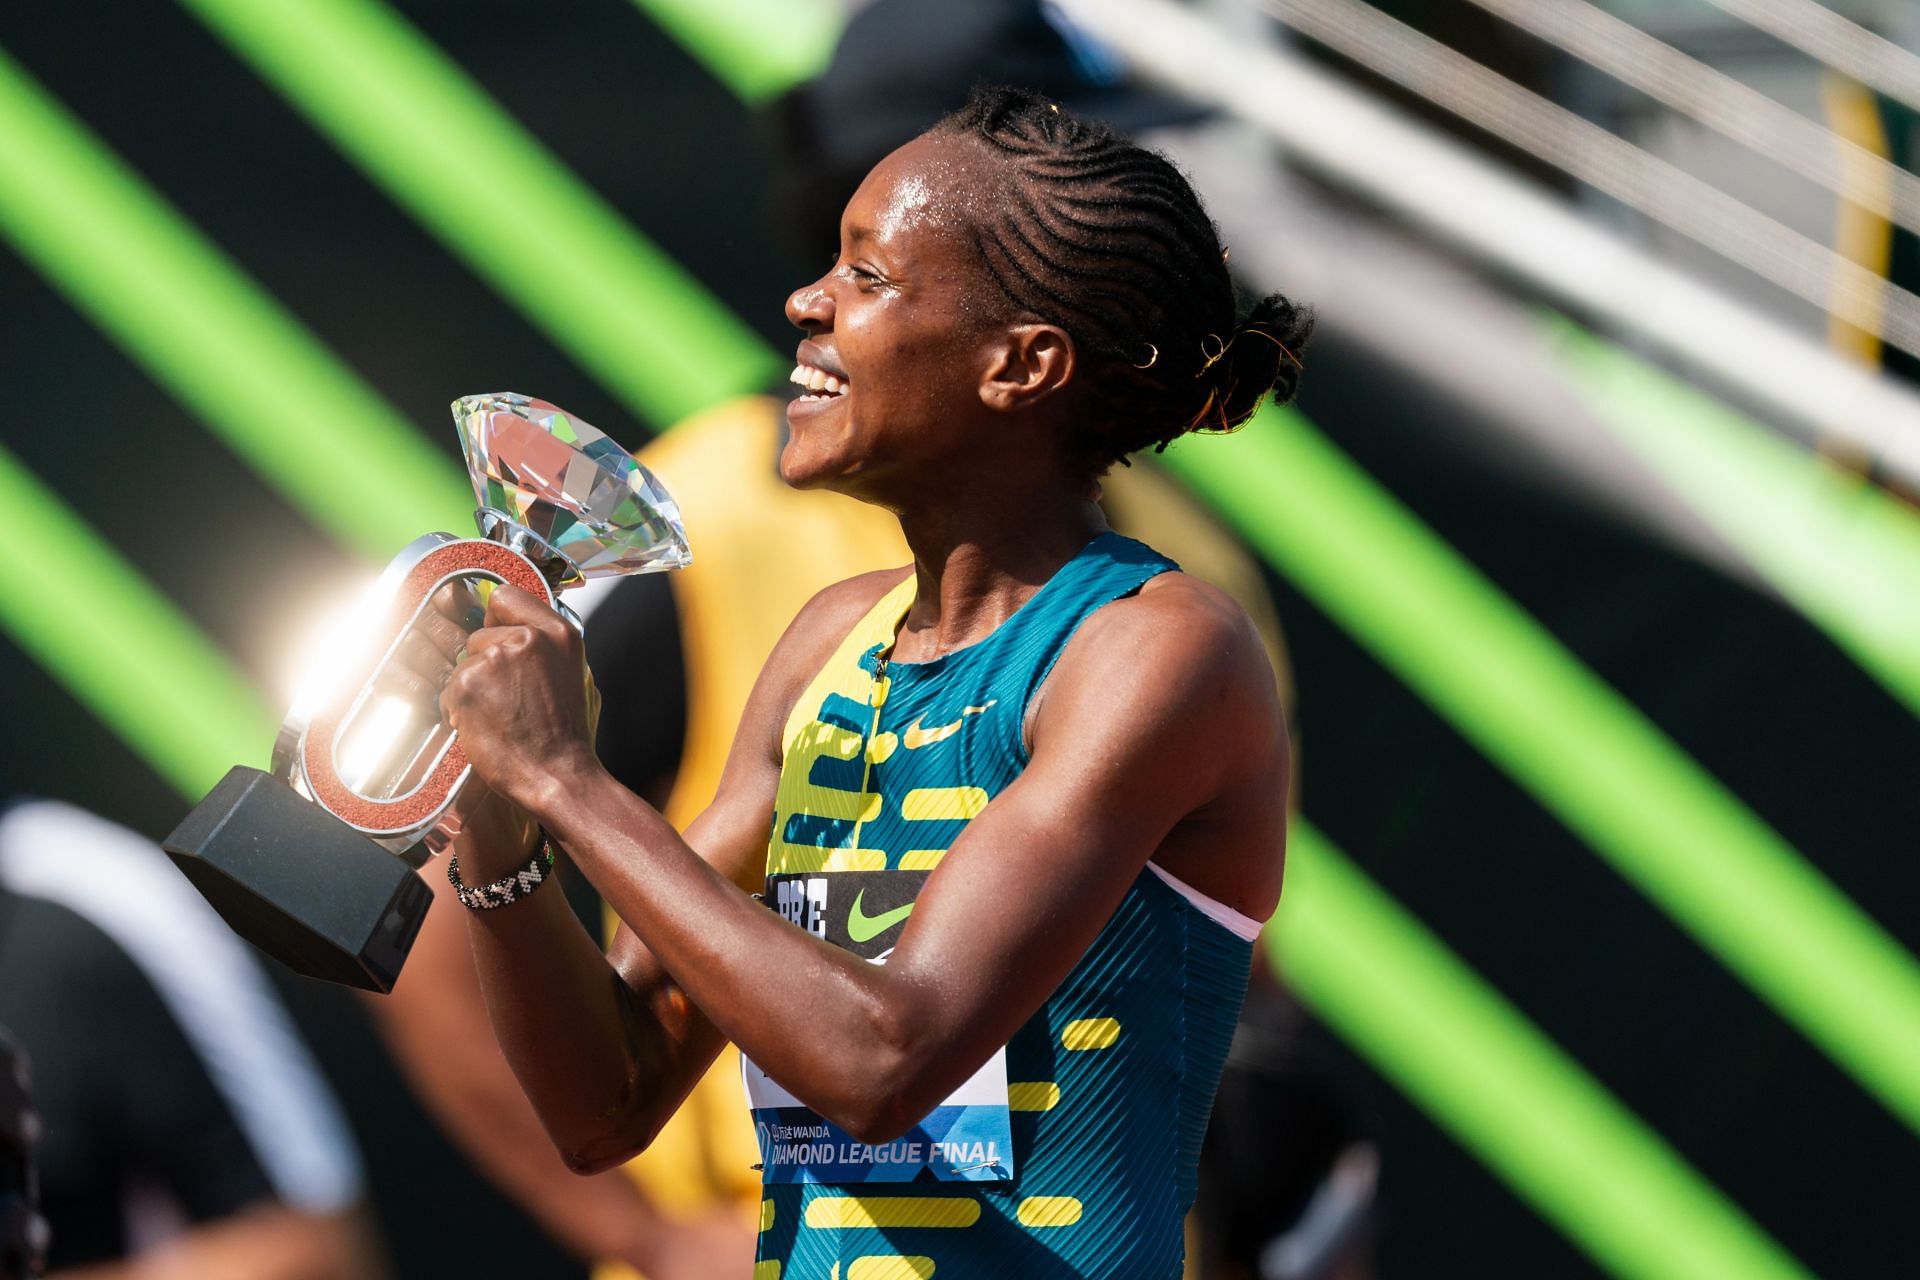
(509, 888)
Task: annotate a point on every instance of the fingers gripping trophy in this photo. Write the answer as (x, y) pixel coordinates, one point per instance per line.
(314, 861)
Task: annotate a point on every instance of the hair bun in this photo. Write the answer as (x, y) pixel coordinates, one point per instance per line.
(1260, 357)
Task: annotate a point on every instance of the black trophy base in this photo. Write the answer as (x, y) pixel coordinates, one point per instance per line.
(300, 884)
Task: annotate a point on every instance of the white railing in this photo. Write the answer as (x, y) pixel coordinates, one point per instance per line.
(1352, 138)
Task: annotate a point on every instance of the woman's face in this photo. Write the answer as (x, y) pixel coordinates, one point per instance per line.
(897, 329)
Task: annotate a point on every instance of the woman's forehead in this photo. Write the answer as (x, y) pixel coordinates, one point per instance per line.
(929, 186)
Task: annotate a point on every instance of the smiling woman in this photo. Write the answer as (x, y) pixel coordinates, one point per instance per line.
(1026, 795)
(1014, 221)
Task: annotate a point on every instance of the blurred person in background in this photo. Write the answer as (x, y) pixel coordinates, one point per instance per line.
(185, 1131)
(23, 1232)
(675, 657)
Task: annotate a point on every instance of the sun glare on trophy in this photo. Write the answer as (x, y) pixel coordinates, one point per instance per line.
(365, 767)
(327, 642)
(366, 754)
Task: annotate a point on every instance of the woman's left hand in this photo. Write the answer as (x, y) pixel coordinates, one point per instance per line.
(522, 701)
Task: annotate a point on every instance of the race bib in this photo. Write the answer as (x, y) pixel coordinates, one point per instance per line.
(966, 1138)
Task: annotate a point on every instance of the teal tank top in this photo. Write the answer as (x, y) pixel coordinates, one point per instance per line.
(1111, 1082)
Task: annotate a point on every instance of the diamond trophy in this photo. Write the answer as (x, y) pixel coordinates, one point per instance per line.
(314, 862)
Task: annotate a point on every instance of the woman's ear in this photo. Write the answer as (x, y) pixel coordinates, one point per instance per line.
(1030, 362)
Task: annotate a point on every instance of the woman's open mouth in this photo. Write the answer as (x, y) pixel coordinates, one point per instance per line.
(818, 384)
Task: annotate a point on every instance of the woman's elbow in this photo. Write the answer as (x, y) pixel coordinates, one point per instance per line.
(886, 1105)
(590, 1161)
(607, 1148)
(875, 1123)
(897, 1076)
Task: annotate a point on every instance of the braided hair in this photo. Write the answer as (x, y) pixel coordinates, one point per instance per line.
(1108, 240)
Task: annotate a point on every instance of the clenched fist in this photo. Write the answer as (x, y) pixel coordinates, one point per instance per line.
(523, 702)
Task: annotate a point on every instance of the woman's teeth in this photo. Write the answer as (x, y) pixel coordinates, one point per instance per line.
(818, 382)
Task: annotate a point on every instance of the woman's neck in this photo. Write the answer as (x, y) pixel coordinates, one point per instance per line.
(978, 560)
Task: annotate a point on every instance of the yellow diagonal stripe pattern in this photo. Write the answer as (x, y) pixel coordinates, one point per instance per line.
(1048, 1211)
(1033, 1095)
(890, 1267)
(830, 1213)
(934, 804)
(1090, 1033)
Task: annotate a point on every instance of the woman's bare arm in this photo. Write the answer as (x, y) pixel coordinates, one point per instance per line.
(266, 1242)
(607, 1046)
(1163, 713)
(436, 1026)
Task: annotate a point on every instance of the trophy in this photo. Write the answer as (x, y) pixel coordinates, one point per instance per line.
(314, 861)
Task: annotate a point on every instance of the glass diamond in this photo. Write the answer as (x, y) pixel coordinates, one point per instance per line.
(564, 480)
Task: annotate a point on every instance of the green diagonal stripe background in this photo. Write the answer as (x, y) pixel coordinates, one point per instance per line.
(1845, 553)
(123, 650)
(758, 48)
(1506, 1092)
(517, 217)
(1640, 802)
(222, 346)
(416, 124)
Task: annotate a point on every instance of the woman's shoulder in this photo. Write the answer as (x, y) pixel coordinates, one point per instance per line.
(826, 620)
(1173, 609)
(833, 611)
(1176, 641)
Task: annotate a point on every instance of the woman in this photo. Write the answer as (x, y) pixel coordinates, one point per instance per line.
(1026, 795)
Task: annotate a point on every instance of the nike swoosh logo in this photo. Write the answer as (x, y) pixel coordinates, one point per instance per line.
(915, 737)
(862, 927)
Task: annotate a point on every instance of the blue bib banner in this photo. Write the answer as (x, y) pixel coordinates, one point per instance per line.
(967, 1138)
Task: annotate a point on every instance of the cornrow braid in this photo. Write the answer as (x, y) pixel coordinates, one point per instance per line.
(1108, 240)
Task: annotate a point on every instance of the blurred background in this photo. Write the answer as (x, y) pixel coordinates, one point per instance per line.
(1591, 535)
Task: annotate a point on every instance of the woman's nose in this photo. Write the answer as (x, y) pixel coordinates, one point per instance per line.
(810, 307)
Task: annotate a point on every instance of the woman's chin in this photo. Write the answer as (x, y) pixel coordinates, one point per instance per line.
(818, 450)
(804, 467)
